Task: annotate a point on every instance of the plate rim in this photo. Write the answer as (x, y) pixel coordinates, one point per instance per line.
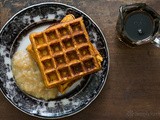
(106, 45)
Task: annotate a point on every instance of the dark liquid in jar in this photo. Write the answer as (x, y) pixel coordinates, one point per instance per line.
(138, 26)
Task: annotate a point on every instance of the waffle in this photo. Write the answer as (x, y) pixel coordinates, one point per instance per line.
(64, 53)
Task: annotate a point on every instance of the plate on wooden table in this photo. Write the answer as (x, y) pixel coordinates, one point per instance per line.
(12, 35)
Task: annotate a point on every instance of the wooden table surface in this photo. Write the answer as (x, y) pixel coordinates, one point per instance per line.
(132, 90)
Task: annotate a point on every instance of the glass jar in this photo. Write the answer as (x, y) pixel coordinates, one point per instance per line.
(138, 24)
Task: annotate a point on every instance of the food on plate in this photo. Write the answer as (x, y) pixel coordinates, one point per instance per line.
(64, 53)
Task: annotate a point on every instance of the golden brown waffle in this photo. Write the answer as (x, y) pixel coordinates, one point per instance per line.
(65, 53)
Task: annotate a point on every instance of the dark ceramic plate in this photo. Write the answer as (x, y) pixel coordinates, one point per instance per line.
(77, 99)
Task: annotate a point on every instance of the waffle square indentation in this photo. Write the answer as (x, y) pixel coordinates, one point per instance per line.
(72, 55)
(60, 60)
(76, 68)
(64, 31)
(52, 76)
(76, 27)
(84, 51)
(43, 51)
(80, 39)
(56, 47)
(68, 43)
(48, 64)
(39, 39)
(51, 35)
(89, 64)
(64, 72)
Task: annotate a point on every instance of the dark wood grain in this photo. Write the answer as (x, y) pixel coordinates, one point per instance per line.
(132, 90)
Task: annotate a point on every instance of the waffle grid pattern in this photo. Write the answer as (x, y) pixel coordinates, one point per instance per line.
(64, 52)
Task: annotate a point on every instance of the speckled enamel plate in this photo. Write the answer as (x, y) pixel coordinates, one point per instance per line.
(10, 39)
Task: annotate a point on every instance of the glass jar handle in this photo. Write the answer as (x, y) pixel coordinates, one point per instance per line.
(156, 39)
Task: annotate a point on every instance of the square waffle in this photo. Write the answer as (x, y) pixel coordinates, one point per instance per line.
(64, 53)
